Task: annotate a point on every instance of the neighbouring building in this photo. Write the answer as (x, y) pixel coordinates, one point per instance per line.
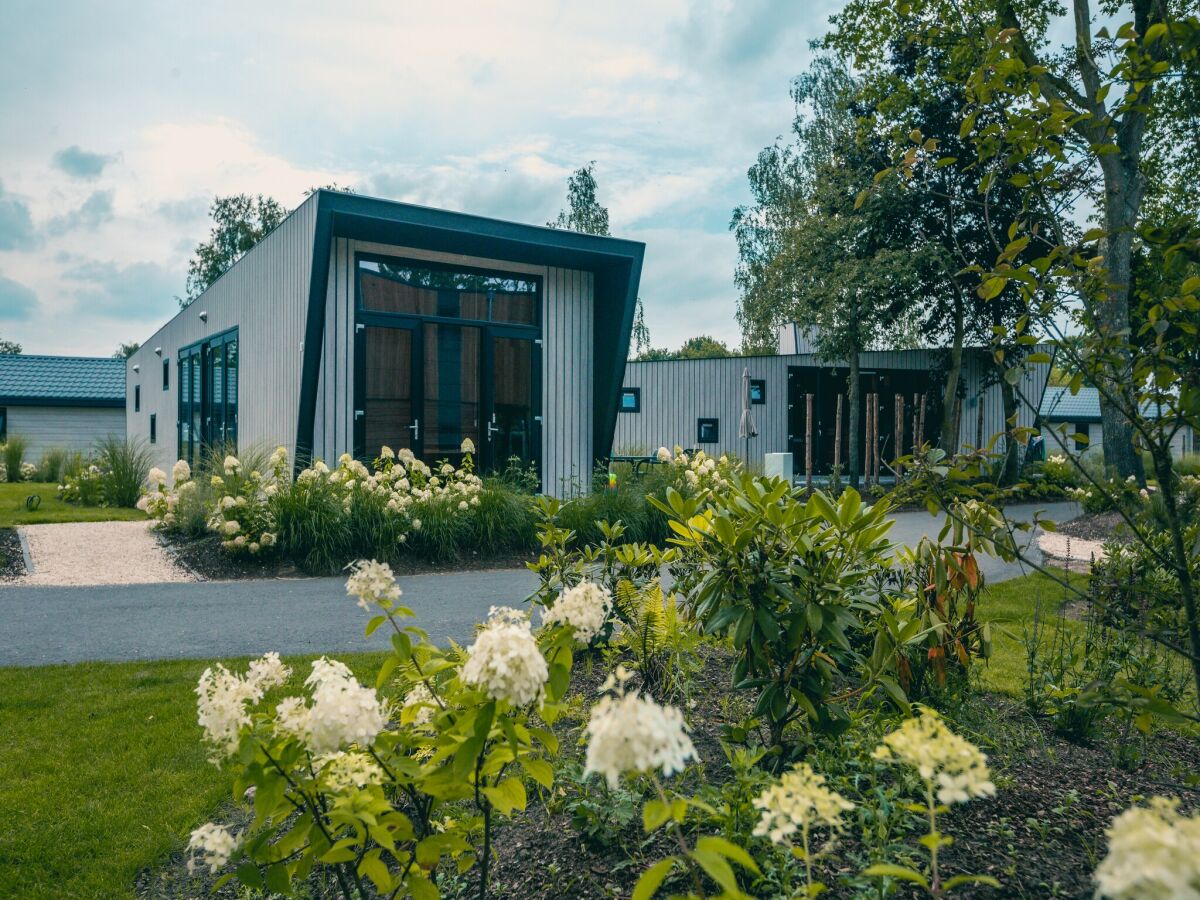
(61, 402)
(697, 403)
(361, 322)
(1079, 414)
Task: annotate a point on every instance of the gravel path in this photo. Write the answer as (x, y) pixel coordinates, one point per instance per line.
(94, 553)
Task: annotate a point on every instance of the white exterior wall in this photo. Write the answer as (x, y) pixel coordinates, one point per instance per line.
(567, 363)
(73, 428)
(265, 295)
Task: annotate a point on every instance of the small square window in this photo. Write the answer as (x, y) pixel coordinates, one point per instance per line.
(153, 428)
(631, 400)
(758, 390)
(137, 398)
(166, 374)
(708, 431)
(3, 425)
(1084, 429)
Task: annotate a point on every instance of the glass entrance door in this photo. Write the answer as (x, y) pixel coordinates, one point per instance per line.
(511, 426)
(390, 411)
(453, 389)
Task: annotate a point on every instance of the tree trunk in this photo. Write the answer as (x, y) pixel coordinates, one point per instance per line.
(1011, 468)
(854, 411)
(949, 436)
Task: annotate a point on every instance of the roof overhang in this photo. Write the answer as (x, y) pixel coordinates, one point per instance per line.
(89, 402)
(615, 263)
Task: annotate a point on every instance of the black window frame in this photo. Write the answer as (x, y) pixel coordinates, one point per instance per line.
(761, 384)
(1084, 428)
(137, 398)
(166, 374)
(200, 385)
(3, 424)
(154, 428)
(636, 393)
(703, 423)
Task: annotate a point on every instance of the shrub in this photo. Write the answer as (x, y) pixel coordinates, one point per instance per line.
(14, 455)
(85, 487)
(124, 466)
(242, 513)
(53, 465)
(504, 520)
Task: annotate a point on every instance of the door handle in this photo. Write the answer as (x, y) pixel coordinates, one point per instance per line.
(415, 428)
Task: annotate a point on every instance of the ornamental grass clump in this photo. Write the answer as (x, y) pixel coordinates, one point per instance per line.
(367, 789)
(953, 770)
(1153, 854)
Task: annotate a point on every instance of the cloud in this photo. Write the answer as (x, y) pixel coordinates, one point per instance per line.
(142, 290)
(80, 163)
(16, 224)
(92, 213)
(16, 300)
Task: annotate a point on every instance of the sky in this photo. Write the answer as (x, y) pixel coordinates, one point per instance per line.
(120, 122)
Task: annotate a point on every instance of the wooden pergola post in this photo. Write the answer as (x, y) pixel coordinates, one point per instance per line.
(837, 436)
(899, 407)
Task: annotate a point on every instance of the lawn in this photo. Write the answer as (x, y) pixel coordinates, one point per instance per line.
(13, 510)
(103, 774)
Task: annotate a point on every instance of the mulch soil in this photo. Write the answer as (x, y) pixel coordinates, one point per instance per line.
(1041, 836)
(204, 558)
(1096, 527)
(12, 560)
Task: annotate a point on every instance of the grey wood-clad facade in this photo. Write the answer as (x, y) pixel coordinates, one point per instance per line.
(675, 394)
(73, 428)
(293, 298)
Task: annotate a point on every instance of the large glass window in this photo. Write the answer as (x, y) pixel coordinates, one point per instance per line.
(417, 290)
(208, 396)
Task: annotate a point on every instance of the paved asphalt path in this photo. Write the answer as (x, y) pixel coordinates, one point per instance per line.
(44, 625)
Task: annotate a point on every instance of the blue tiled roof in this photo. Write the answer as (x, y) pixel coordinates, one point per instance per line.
(1058, 403)
(56, 379)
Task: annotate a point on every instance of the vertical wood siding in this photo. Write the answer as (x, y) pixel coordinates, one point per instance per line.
(567, 364)
(675, 393)
(74, 428)
(265, 295)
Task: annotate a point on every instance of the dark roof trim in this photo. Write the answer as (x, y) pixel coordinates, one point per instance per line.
(90, 402)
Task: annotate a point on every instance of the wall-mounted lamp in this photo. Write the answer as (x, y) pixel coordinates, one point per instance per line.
(137, 368)
(203, 315)
(158, 351)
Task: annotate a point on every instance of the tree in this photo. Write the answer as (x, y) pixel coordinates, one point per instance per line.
(641, 333)
(124, 351)
(584, 212)
(810, 253)
(9, 348)
(239, 222)
(703, 347)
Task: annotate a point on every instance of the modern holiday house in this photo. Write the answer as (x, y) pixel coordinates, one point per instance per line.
(61, 402)
(360, 322)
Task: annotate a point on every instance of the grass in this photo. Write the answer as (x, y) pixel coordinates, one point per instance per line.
(103, 773)
(51, 509)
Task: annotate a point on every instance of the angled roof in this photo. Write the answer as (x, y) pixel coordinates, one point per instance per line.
(1059, 404)
(61, 380)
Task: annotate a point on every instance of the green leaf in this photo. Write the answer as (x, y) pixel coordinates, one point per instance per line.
(729, 850)
(385, 671)
(421, 887)
(887, 870)
(248, 874)
(539, 770)
(652, 879)
(375, 869)
(992, 287)
(507, 796)
(718, 870)
(654, 814)
(374, 624)
(954, 882)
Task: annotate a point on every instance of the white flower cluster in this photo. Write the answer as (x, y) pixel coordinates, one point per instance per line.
(628, 733)
(242, 512)
(800, 801)
(343, 712)
(341, 772)
(505, 660)
(698, 471)
(585, 608)
(953, 764)
(422, 705)
(212, 845)
(373, 584)
(223, 698)
(1153, 854)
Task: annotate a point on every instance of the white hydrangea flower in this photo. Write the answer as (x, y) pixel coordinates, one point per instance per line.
(505, 660)
(952, 764)
(157, 477)
(212, 845)
(231, 465)
(291, 718)
(221, 700)
(420, 699)
(372, 582)
(343, 712)
(463, 505)
(231, 527)
(268, 672)
(584, 607)
(341, 771)
(468, 446)
(799, 802)
(416, 524)
(1153, 854)
(628, 733)
(663, 455)
(268, 539)
(181, 471)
